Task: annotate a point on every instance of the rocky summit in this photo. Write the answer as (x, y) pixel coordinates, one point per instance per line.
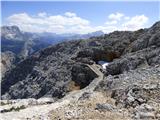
(66, 82)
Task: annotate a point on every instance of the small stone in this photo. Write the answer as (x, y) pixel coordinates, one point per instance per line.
(130, 99)
(105, 106)
(147, 115)
(85, 96)
(158, 116)
(45, 100)
(146, 107)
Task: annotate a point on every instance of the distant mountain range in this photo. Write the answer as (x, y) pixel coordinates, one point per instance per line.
(25, 43)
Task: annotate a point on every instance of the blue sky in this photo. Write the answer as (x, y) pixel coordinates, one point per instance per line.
(88, 15)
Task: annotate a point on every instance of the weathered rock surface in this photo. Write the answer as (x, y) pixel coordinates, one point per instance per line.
(104, 107)
(134, 87)
(36, 76)
(138, 91)
(145, 111)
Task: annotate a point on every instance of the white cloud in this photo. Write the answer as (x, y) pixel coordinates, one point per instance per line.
(19, 18)
(42, 14)
(123, 22)
(71, 23)
(106, 29)
(70, 14)
(43, 23)
(126, 18)
(111, 22)
(135, 22)
(116, 16)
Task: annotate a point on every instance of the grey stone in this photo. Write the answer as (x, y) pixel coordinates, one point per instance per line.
(145, 111)
(105, 107)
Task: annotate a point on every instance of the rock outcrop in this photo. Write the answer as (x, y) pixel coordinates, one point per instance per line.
(82, 75)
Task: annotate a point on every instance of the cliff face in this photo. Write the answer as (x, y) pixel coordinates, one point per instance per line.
(49, 72)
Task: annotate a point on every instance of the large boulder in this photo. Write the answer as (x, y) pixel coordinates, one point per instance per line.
(82, 75)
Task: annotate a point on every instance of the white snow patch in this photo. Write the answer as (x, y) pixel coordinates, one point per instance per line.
(103, 64)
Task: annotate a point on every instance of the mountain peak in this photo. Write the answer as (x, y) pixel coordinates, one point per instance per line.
(10, 32)
(10, 29)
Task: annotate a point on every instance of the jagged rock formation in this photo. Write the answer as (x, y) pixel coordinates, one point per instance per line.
(133, 88)
(131, 79)
(53, 66)
(141, 52)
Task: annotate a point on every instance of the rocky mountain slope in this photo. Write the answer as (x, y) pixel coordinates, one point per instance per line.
(69, 72)
(18, 44)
